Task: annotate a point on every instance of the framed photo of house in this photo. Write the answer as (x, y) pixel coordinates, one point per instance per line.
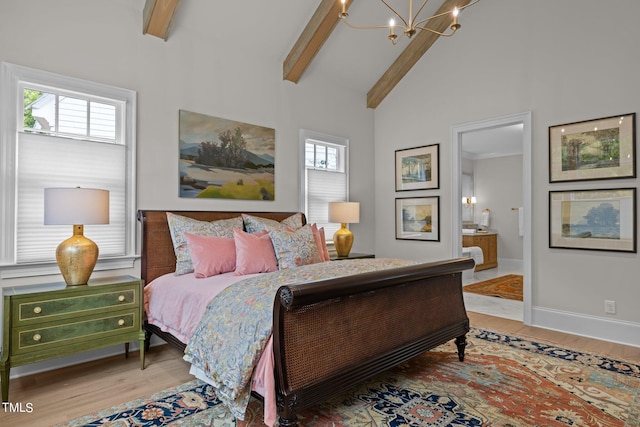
(601, 220)
(593, 149)
(418, 168)
(418, 218)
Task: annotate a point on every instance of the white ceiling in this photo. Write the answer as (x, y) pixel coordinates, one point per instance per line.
(355, 58)
(350, 57)
(360, 57)
(494, 142)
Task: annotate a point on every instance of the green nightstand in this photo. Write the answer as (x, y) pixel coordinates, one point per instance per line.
(46, 321)
(351, 255)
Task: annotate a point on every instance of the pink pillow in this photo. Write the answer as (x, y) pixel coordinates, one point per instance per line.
(318, 236)
(211, 255)
(325, 251)
(254, 253)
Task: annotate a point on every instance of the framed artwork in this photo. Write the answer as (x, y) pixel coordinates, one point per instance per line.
(603, 220)
(593, 149)
(418, 218)
(225, 159)
(418, 168)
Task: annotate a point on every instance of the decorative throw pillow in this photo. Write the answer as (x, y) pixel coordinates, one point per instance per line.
(295, 248)
(254, 253)
(211, 255)
(321, 243)
(179, 225)
(255, 224)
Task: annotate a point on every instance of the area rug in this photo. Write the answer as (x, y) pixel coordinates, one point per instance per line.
(509, 286)
(503, 381)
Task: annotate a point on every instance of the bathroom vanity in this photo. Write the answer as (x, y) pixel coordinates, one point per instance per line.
(488, 242)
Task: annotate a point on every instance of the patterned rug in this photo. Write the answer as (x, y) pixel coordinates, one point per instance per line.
(509, 286)
(504, 381)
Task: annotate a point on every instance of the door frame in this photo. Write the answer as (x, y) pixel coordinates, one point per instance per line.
(456, 189)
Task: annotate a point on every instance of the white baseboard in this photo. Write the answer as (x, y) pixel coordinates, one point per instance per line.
(617, 331)
(511, 263)
(75, 359)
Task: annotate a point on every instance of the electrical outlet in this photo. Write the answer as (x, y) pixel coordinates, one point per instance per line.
(609, 306)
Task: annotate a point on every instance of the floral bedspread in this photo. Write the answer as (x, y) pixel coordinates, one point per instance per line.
(237, 323)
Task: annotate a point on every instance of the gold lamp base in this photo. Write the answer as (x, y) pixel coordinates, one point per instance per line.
(77, 257)
(343, 240)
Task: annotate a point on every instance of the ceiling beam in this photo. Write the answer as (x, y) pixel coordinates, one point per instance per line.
(317, 31)
(421, 42)
(157, 17)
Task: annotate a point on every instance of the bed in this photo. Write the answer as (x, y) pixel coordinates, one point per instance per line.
(378, 319)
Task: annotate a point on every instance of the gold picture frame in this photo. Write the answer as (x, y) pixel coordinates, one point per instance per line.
(593, 149)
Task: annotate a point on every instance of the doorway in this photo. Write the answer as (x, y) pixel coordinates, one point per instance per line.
(458, 133)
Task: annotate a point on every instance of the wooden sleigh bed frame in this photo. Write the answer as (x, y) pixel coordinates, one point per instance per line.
(376, 320)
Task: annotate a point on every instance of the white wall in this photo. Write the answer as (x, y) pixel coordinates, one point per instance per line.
(498, 187)
(102, 41)
(563, 61)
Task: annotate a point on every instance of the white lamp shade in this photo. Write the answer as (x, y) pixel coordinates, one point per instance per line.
(70, 206)
(347, 212)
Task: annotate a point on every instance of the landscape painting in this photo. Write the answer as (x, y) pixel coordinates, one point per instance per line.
(225, 159)
(593, 149)
(417, 168)
(593, 219)
(417, 218)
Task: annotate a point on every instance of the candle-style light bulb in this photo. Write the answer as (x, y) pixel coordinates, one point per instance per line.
(455, 13)
(392, 35)
(344, 8)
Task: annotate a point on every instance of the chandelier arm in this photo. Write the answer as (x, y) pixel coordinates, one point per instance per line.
(425, 20)
(365, 27)
(436, 32)
(418, 13)
(396, 13)
(422, 21)
(397, 39)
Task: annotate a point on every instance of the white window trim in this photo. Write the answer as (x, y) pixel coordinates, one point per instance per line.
(11, 76)
(308, 134)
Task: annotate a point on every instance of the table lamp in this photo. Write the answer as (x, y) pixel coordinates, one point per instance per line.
(77, 255)
(344, 213)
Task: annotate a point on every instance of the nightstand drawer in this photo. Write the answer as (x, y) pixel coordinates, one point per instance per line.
(66, 306)
(27, 339)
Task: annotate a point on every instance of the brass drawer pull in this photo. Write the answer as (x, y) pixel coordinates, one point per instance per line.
(37, 310)
(121, 322)
(121, 298)
(37, 337)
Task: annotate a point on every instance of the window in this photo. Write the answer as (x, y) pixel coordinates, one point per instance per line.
(59, 131)
(324, 177)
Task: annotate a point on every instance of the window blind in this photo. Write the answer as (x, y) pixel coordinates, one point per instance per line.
(324, 187)
(47, 161)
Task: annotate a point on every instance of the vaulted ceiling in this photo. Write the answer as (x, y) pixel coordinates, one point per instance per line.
(311, 36)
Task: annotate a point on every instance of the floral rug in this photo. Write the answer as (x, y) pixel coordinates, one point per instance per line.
(509, 286)
(504, 381)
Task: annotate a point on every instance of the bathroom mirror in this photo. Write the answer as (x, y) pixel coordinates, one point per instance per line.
(467, 191)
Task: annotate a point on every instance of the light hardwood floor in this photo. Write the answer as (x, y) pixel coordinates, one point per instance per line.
(64, 394)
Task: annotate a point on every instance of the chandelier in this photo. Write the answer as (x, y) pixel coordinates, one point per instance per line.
(411, 24)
